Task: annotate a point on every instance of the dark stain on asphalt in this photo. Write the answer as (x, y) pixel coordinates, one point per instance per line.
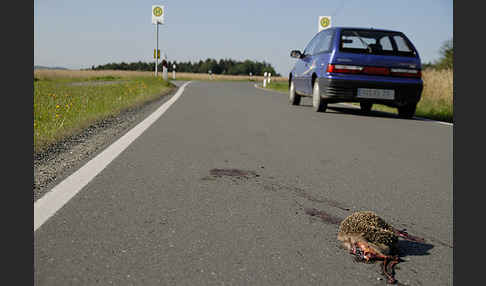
(237, 175)
(303, 194)
(325, 217)
(233, 173)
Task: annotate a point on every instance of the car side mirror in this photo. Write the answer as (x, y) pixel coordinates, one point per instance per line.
(296, 54)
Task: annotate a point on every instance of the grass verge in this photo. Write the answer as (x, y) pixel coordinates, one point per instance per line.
(282, 86)
(67, 102)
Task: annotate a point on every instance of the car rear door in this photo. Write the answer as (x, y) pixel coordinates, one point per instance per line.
(302, 83)
(317, 63)
(306, 78)
(297, 74)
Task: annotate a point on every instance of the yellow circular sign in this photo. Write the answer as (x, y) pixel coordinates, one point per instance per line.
(158, 11)
(325, 22)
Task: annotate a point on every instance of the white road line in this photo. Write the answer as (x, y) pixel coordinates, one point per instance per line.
(55, 199)
(440, 122)
(416, 117)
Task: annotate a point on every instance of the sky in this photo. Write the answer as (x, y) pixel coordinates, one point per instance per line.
(80, 34)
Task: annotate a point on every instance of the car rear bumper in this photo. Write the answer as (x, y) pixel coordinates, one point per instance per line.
(345, 90)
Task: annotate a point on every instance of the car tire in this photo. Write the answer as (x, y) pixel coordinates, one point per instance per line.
(294, 98)
(319, 104)
(366, 106)
(407, 111)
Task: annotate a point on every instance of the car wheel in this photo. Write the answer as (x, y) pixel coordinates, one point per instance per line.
(294, 98)
(319, 104)
(365, 106)
(407, 111)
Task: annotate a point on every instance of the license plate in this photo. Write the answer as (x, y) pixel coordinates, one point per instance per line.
(376, 93)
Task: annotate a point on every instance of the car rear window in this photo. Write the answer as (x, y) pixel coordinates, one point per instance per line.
(375, 42)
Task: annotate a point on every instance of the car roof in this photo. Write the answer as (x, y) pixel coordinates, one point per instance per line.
(364, 28)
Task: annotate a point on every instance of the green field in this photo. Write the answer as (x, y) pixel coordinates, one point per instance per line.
(63, 105)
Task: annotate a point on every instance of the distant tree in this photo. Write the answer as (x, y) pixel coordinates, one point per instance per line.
(446, 60)
(427, 65)
(223, 66)
(447, 55)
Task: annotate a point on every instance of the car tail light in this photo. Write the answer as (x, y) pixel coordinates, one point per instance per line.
(344, 69)
(376, 70)
(358, 69)
(406, 72)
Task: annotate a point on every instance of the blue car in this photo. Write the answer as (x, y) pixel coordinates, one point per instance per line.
(365, 65)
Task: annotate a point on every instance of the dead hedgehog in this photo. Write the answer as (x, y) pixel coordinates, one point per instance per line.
(362, 221)
(375, 229)
(372, 228)
(369, 238)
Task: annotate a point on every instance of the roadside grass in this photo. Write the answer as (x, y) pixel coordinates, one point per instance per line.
(437, 96)
(79, 75)
(282, 86)
(63, 108)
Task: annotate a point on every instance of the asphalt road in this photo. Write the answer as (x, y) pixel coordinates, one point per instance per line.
(215, 193)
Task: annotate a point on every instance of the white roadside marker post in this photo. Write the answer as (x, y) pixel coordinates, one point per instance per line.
(165, 74)
(265, 79)
(173, 71)
(269, 77)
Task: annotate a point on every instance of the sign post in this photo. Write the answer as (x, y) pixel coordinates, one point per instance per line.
(324, 23)
(157, 57)
(158, 12)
